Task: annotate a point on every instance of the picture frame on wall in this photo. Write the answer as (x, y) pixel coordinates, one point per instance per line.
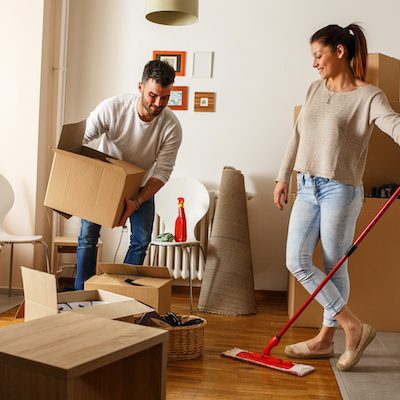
(204, 102)
(178, 98)
(202, 64)
(174, 58)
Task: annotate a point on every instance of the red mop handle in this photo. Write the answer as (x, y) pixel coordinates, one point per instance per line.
(349, 252)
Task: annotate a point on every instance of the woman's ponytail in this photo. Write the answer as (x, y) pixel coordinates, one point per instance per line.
(360, 52)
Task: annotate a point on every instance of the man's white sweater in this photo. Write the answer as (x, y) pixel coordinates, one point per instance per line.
(152, 146)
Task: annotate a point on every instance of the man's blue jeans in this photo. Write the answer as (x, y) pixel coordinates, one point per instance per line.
(141, 228)
(325, 210)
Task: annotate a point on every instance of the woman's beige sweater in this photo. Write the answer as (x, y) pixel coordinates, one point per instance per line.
(331, 139)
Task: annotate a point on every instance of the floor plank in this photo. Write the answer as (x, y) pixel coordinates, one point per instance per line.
(214, 377)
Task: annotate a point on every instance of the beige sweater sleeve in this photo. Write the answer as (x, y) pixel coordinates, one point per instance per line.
(385, 118)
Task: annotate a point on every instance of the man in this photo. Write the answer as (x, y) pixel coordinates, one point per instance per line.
(141, 130)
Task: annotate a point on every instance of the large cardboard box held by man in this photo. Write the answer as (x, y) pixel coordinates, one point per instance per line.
(41, 299)
(88, 183)
(150, 285)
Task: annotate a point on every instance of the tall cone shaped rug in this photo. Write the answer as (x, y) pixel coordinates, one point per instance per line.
(228, 286)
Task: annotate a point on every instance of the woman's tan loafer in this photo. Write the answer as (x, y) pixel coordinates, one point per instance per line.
(301, 350)
(351, 357)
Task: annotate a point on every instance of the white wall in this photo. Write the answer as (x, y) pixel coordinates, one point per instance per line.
(21, 23)
(262, 68)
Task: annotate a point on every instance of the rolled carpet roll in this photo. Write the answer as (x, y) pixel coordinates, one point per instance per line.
(228, 285)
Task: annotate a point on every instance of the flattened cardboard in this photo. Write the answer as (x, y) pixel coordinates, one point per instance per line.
(154, 283)
(41, 299)
(374, 274)
(88, 183)
(384, 72)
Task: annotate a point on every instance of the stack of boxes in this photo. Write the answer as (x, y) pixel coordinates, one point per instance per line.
(373, 268)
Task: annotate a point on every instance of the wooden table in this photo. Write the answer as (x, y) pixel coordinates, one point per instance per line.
(72, 357)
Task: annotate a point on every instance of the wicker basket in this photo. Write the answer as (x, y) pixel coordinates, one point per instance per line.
(185, 342)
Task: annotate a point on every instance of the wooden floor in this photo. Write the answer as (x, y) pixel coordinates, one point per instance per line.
(214, 377)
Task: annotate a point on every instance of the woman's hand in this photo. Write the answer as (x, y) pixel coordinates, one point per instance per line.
(281, 189)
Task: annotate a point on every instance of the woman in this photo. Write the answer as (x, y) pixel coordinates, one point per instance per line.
(328, 148)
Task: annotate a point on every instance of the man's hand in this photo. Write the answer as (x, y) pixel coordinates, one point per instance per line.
(281, 189)
(152, 186)
(130, 207)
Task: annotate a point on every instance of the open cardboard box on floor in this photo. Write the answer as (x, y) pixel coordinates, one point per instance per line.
(88, 183)
(150, 285)
(42, 299)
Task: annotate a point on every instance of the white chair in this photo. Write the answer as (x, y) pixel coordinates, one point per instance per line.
(6, 202)
(196, 204)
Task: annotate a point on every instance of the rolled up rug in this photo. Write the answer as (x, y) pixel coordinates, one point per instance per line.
(228, 285)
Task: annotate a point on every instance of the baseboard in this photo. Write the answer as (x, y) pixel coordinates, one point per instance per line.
(176, 288)
(273, 294)
(185, 282)
(185, 289)
(14, 291)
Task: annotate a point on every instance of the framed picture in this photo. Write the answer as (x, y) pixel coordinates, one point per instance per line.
(174, 58)
(202, 64)
(204, 102)
(178, 98)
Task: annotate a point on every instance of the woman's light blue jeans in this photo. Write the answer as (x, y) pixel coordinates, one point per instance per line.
(141, 228)
(325, 210)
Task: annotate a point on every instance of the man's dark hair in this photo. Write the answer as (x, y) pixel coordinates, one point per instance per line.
(160, 71)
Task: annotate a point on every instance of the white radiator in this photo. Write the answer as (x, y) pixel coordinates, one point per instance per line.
(176, 259)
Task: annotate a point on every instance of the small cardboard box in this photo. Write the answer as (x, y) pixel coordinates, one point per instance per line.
(42, 299)
(87, 183)
(384, 72)
(151, 285)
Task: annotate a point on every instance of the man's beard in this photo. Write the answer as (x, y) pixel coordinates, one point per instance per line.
(151, 109)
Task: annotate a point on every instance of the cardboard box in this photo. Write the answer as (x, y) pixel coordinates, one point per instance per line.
(384, 72)
(87, 183)
(152, 284)
(383, 159)
(42, 299)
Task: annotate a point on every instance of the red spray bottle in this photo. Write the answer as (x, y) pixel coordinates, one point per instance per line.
(180, 223)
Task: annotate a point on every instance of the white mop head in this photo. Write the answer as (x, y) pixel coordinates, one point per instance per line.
(294, 369)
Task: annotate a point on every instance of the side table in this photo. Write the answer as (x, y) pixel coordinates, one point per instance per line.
(69, 356)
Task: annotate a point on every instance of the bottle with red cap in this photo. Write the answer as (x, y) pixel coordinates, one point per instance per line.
(180, 223)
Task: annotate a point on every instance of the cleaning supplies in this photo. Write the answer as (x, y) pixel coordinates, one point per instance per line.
(165, 237)
(268, 361)
(265, 359)
(180, 223)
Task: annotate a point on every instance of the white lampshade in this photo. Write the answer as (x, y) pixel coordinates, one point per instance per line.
(172, 12)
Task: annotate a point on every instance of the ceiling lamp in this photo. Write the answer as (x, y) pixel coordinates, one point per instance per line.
(172, 12)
